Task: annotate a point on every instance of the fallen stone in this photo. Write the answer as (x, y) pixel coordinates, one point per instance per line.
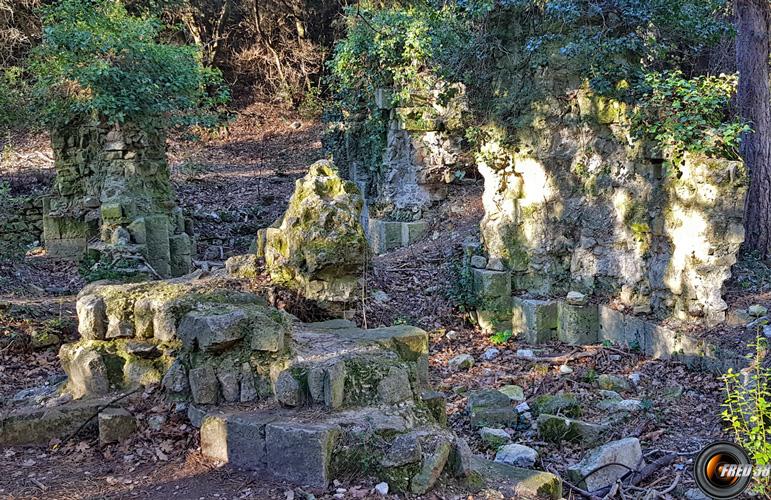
(557, 429)
(42, 340)
(513, 392)
(494, 437)
(565, 370)
(613, 383)
(490, 354)
(212, 331)
(594, 471)
(242, 266)
(575, 298)
(92, 317)
(525, 353)
(562, 403)
(460, 459)
(381, 489)
(517, 482)
(115, 425)
(517, 455)
(461, 362)
(491, 408)
(86, 371)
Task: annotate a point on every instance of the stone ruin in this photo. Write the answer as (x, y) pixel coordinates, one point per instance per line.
(112, 200)
(419, 161)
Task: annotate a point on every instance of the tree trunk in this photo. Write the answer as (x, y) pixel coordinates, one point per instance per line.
(752, 52)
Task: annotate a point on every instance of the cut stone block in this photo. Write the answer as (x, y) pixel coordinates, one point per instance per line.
(556, 429)
(394, 387)
(115, 425)
(594, 471)
(493, 290)
(534, 320)
(491, 408)
(516, 482)
(204, 385)
(158, 249)
(578, 324)
(39, 425)
(612, 328)
(214, 330)
(238, 439)
(180, 250)
(437, 404)
(334, 385)
(412, 231)
(384, 235)
(301, 452)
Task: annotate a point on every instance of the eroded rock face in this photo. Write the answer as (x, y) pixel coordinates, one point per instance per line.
(319, 245)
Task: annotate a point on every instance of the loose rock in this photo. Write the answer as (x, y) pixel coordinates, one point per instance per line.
(517, 455)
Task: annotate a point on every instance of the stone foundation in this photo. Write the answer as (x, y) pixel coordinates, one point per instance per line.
(112, 196)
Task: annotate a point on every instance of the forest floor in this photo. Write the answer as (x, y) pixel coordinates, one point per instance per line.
(234, 185)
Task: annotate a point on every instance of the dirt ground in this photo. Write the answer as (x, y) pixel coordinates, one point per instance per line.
(238, 183)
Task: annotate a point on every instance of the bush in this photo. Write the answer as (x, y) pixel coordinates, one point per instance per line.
(690, 114)
(97, 60)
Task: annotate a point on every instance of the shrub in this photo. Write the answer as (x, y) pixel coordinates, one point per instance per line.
(748, 410)
(97, 60)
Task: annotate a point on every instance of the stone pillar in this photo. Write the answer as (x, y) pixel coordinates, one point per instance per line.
(112, 196)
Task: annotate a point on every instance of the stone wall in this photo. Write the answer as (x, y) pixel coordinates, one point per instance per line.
(578, 205)
(420, 155)
(21, 224)
(112, 194)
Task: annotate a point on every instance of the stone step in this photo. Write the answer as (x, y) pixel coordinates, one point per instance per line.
(308, 448)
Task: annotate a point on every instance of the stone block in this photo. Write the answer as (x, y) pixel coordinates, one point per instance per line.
(175, 381)
(333, 385)
(519, 482)
(412, 231)
(612, 328)
(115, 425)
(384, 235)
(301, 452)
(158, 251)
(394, 387)
(213, 330)
(637, 333)
(517, 455)
(491, 408)
(180, 250)
(578, 324)
(86, 371)
(92, 317)
(164, 321)
(265, 333)
(535, 321)
(111, 213)
(556, 429)
(65, 248)
(432, 467)
(562, 403)
(237, 439)
(595, 471)
(204, 385)
(437, 405)
(493, 291)
(287, 389)
(138, 231)
(242, 266)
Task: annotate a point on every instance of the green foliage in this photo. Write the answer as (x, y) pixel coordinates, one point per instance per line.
(499, 338)
(405, 50)
(461, 289)
(690, 114)
(748, 410)
(97, 60)
(14, 98)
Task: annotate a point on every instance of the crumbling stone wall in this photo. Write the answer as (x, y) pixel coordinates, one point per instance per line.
(418, 162)
(577, 204)
(21, 223)
(112, 194)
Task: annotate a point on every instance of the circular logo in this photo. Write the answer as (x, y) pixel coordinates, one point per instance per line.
(722, 470)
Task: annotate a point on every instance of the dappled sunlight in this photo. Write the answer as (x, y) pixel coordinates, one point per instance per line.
(687, 231)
